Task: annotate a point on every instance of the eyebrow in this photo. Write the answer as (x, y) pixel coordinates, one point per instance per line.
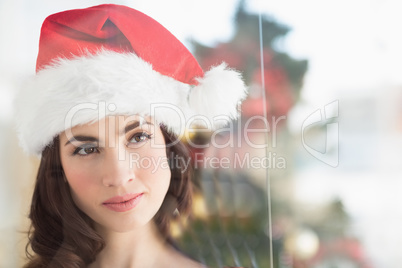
(81, 138)
(93, 139)
(133, 126)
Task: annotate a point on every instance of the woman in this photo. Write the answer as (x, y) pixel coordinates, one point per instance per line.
(113, 92)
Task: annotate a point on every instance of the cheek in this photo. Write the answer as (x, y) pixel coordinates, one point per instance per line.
(77, 178)
(156, 176)
(82, 185)
(162, 180)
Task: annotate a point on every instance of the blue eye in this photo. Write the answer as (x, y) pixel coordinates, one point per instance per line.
(85, 150)
(140, 137)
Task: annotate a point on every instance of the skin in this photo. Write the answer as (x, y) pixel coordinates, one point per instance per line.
(97, 165)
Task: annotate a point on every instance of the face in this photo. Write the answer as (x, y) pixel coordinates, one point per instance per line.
(117, 170)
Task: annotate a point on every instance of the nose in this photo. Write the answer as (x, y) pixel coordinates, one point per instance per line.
(116, 169)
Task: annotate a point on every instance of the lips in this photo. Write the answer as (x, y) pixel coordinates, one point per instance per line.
(123, 203)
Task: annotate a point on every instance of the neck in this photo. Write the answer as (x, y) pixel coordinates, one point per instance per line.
(143, 247)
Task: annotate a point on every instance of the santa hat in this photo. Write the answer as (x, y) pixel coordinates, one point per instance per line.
(114, 60)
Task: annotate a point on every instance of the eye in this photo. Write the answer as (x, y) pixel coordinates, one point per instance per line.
(140, 137)
(86, 150)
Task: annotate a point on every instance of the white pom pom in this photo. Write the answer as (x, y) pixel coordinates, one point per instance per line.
(218, 94)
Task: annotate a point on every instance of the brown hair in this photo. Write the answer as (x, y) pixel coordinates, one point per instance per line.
(61, 235)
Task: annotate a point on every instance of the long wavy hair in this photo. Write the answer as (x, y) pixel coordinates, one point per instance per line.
(61, 235)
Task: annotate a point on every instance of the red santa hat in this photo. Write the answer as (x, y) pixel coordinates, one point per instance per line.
(114, 60)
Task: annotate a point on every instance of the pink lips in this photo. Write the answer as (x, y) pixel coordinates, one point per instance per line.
(123, 203)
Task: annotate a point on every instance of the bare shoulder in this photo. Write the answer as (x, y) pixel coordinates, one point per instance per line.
(181, 261)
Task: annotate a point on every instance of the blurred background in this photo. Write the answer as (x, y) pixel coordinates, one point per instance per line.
(331, 91)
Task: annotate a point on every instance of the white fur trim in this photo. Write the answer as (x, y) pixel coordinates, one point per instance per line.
(85, 87)
(218, 95)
